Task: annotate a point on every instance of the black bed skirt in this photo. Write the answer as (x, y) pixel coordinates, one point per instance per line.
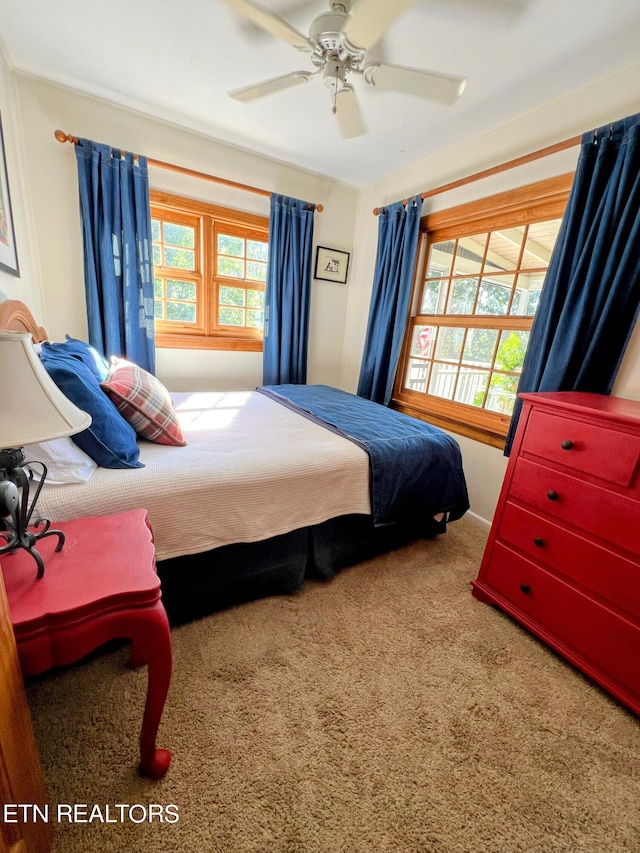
(198, 584)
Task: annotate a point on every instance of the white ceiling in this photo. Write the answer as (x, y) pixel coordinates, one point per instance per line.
(177, 61)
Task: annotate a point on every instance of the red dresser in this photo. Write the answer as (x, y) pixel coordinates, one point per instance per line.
(563, 556)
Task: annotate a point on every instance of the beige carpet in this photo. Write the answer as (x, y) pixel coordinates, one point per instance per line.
(385, 711)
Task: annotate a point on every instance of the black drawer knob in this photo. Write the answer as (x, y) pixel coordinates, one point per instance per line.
(538, 541)
(525, 588)
(553, 496)
(567, 444)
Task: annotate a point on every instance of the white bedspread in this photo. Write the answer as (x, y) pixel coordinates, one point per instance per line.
(251, 469)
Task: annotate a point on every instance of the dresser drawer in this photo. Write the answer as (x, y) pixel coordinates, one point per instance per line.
(596, 569)
(590, 449)
(607, 515)
(581, 626)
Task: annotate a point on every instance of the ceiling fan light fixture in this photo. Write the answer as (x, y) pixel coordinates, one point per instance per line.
(334, 75)
(338, 42)
(326, 30)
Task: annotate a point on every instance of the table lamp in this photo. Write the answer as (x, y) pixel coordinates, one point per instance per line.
(32, 409)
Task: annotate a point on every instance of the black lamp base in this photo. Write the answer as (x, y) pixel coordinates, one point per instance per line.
(15, 512)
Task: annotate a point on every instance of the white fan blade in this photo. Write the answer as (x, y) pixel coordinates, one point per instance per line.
(272, 23)
(414, 81)
(369, 20)
(350, 120)
(296, 10)
(268, 87)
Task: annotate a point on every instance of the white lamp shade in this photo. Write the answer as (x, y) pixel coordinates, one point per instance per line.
(32, 407)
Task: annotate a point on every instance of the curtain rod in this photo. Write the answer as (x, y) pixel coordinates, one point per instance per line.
(61, 136)
(494, 170)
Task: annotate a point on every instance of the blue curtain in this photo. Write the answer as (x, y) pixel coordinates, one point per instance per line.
(288, 291)
(398, 229)
(118, 263)
(591, 296)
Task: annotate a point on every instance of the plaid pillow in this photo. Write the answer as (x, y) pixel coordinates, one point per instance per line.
(143, 401)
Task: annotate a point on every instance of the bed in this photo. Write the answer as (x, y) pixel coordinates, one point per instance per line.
(273, 485)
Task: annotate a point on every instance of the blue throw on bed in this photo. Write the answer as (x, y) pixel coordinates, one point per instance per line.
(416, 468)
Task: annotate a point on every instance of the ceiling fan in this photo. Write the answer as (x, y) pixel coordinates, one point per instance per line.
(338, 42)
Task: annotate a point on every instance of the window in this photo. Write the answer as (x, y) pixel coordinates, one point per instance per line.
(210, 267)
(480, 275)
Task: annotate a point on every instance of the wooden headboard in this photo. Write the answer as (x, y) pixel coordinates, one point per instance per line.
(16, 317)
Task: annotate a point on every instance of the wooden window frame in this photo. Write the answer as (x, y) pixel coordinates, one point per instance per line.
(211, 219)
(537, 202)
(195, 276)
(247, 232)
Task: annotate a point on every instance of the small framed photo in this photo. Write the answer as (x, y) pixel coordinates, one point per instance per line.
(8, 252)
(331, 265)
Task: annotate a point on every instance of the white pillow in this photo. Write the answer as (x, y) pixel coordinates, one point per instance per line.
(65, 461)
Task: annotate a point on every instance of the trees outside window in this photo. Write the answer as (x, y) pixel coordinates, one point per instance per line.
(210, 269)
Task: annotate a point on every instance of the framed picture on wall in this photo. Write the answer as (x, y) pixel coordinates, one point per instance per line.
(331, 265)
(8, 252)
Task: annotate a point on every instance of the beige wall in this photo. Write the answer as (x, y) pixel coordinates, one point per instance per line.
(26, 287)
(52, 187)
(610, 99)
(43, 181)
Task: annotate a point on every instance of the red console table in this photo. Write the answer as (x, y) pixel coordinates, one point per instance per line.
(101, 586)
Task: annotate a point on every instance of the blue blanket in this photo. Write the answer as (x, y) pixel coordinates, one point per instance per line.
(416, 468)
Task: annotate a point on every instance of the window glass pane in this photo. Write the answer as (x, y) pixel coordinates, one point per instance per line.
(502, 393)
(471, 386)
(234, 271)
(463, 295)
(183, 259)
(539, 244)
(504, 249)
(232, 316)
(449, 343)
(466, 338)
(255, 319)
(417, 375)
(179, 235)
(256, 271)
(528, 293)
(469, 255)
(511, 350)
(181, 290)
(230, 267)
(440, 259)
(257, 250)
(182, 312)
(494, 296)
(480, 346)
(433, 297)
(533, 301)
(422, 342)
(443, 380)
(232, 296)
(520, 298)
(228, 245)
(255, 298)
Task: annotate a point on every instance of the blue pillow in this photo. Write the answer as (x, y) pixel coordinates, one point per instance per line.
(88, 355)
(110, 441)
